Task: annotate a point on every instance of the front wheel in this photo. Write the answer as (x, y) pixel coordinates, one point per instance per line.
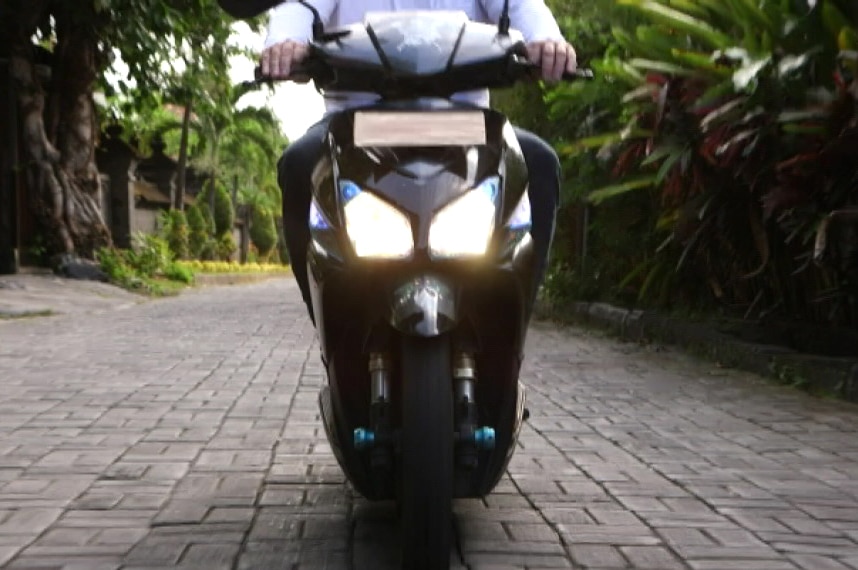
(426, 469)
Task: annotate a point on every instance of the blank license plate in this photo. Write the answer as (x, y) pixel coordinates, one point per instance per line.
(435, 128)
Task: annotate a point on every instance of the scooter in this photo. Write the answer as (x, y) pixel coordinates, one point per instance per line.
(420, 264)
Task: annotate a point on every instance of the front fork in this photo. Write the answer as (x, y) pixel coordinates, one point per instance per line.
(424, 306)
(381, 438)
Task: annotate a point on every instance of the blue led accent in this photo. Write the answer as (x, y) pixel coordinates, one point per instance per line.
(484, 438)
(490, 187)
(364, 438)
(317, 219)
(349, 190)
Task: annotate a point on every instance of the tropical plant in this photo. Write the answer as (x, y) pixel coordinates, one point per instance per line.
(741, 115)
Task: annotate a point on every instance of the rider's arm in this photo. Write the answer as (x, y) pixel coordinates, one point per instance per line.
(546, 45)
(292, 21)
(531, 17)
(290, 28)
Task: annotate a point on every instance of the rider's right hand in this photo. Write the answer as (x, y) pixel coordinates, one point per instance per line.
(279, 60)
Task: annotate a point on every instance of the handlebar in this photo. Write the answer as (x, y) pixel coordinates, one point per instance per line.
(302, 72)
(579, 75)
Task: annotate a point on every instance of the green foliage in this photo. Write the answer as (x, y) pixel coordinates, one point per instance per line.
(175, 271)
(225, 247)
(114, 263)
(206, 214)
(263, 231)
(197, 231)
(741, 118)
(150, 255)
(588, 268)
(144, 268)
(224, 212)
(175, 229)
(174, 51)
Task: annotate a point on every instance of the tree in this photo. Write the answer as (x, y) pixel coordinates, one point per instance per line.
(79, 39)
(236, 147)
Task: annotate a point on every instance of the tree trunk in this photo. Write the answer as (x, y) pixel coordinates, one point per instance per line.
(59, 135)
(182, 167)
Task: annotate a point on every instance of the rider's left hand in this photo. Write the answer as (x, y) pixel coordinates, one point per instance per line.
(555, 58)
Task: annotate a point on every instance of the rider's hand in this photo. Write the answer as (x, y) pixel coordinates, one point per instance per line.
(555, 58)
(278, 60)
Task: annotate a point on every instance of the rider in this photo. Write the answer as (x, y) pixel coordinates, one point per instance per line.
(290, 28)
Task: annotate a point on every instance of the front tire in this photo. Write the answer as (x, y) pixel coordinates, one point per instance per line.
(426, 496)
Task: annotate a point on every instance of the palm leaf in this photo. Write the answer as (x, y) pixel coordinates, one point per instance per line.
(602, 194)
(681, 21)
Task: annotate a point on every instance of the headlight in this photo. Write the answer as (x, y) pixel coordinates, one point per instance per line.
(375, 228)
(465, 226)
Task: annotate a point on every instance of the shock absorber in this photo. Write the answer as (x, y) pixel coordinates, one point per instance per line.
(379, 434)
(379, 378)
(470, 437)
(379, 373)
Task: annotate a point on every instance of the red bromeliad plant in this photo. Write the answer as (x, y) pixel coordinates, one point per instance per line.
(743, 115)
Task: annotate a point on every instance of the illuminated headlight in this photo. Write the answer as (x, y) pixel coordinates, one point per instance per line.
(465, 226)
(375, 228)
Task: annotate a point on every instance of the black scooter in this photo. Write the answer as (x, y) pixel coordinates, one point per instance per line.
(421, 265)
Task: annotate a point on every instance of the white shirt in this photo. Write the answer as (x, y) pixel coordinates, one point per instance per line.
(291, 21)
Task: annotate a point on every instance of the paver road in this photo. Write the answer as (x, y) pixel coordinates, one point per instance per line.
(183, 433)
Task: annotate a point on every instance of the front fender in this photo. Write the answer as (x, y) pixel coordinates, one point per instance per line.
(424, 306)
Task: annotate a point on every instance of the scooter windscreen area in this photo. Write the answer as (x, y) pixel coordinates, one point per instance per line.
(419, 43)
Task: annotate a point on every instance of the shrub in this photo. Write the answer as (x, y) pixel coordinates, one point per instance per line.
(224, 212)
(263, 231)
(197, 234)
(174, 229)
(115, 264)
(150, 254)
(225, 246)
(208, 226)
(740, 128)
(175, 271)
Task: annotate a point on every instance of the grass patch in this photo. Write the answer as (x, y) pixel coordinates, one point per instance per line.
(26, 315)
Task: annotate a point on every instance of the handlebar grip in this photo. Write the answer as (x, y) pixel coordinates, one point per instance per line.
(579, 74)
(535, 70)
(299, 72)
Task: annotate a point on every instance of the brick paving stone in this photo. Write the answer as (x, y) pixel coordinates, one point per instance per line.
(817, 562)
(651, 557)
(184, 434)
(598, 556)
